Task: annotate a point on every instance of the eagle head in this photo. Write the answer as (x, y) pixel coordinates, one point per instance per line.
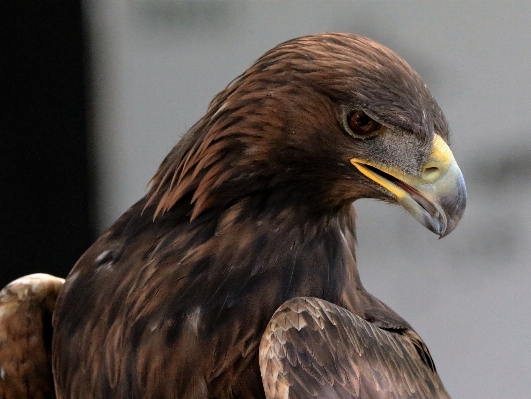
(316, 123)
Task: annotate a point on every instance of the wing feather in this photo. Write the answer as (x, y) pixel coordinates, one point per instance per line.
(26, 307)
(313, 348)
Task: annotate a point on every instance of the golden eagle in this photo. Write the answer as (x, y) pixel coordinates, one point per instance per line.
(235, 276)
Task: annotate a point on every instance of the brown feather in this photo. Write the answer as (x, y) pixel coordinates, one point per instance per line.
(26, 307)
(312, 348)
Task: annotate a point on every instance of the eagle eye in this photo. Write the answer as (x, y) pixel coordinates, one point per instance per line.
(362, 124)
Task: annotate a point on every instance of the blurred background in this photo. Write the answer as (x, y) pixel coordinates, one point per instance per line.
(97, 92)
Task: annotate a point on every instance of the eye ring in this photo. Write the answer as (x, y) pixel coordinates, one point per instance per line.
(361, 124)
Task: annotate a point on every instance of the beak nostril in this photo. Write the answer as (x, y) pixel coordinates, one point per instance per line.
(431, 173)
(431, 169)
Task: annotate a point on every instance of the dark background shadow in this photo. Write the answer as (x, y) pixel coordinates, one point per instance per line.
(44, 172)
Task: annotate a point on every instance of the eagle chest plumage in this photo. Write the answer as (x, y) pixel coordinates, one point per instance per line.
(199, 315)
(235, 276)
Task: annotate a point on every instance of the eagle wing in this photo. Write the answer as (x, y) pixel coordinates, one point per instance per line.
(313, 348)
(26, 307)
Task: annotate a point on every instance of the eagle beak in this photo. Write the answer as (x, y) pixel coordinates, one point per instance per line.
(436, 198)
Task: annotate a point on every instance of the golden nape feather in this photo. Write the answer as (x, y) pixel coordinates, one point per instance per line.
(26, 307)
(235, 277)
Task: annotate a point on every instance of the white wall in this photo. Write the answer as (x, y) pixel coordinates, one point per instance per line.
(157, 64)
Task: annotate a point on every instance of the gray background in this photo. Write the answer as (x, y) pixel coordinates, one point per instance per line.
(157, 64)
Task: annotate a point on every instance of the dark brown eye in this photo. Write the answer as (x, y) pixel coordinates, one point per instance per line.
(361, 124)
